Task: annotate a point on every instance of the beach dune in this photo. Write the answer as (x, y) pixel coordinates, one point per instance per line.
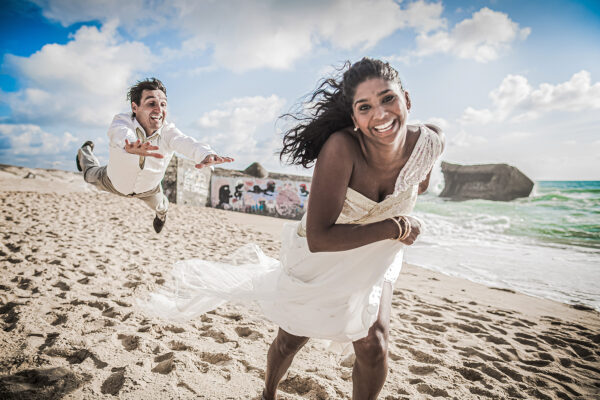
(73, 261)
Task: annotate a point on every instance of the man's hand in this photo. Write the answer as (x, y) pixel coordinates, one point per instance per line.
(213, 159)
(142, 149)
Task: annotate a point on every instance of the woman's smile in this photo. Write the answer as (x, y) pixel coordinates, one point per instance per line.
(386, 128)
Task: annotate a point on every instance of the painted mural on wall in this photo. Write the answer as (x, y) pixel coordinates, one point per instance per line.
(274, 197)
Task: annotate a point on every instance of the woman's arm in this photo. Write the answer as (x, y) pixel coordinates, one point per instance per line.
(331, 177)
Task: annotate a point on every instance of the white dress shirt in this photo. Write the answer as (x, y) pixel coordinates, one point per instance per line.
(124, 168)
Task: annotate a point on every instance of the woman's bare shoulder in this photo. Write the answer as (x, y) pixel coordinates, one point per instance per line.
(341, 143)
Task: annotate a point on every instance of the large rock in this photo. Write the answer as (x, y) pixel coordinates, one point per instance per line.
(501, 182)
(256, 170)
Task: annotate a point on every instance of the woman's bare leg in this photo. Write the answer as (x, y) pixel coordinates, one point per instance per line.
(371, 365)
(279, 358)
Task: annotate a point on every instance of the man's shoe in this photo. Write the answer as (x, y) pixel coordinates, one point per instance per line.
(159, 223)
(88, 143)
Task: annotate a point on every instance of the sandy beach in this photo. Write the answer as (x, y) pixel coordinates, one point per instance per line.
(73, 261)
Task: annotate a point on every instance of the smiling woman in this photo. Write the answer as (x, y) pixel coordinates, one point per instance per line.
(334, 279)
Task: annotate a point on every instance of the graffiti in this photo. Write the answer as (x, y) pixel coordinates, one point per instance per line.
(270, 189)
(194, 182)
(303, 190)
(272, 197)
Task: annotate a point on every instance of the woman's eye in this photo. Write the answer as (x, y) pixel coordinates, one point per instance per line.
(364, 107)
(389, 98)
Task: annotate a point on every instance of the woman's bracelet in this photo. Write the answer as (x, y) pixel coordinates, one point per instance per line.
(400, 230)
(407, 228)
(403, 227)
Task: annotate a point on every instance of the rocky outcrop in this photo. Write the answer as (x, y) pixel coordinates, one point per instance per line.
(500, 182)
(256, 170)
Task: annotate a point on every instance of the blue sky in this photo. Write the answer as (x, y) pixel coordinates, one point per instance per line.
(508, 81)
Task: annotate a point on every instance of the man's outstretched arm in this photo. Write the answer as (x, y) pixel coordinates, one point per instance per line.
(201, 153)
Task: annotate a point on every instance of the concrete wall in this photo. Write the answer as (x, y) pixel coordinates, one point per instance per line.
(279, 195)
(193, 184)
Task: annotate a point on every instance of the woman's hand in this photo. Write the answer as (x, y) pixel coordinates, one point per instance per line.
(415, 230)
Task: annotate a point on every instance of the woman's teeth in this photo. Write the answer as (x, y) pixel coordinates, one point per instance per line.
(384, 127)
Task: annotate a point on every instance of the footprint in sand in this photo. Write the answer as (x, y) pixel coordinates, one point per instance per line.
(113, 383)
(486, 369)
(218, 336)
(174, 329)
(10, 315)
(471, 328)
(62, 286)
(495, 339)
(110, 313)
(424, 388)
(50, 383)
(469, 373)
(424, 358)
(166, 363)
(429, 313)
(79, 356)
(216, 358)
(130, 342)
(421, 369)
(50, 340)
(246, 332)
(179, 346)
(24, 283)
(60, 320)
(474, 316)
(428, 328)
(306, 387)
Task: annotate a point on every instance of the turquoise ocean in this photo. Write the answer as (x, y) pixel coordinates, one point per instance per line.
(546, 245)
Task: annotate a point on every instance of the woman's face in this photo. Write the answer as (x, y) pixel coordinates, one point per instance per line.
(380, 109)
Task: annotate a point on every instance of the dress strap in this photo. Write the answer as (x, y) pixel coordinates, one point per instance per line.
(427, 149)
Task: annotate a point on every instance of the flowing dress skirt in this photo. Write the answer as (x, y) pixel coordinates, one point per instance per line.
(326, 295)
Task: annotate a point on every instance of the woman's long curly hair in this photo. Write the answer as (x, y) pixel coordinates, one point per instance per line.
(329, 109)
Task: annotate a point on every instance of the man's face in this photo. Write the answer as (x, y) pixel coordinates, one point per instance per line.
(152, 110)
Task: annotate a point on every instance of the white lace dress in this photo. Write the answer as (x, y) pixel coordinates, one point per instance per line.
(327, 295)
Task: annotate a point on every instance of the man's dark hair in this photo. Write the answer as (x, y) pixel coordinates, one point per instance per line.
(135, 92)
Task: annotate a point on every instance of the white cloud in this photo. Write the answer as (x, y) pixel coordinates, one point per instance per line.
(425, 17)
(464, 139)
(517, 136)
(516, 100)
(243, 35)
(28, 139)
(481, 38)
(437, 121)
(273, 34)
(140, 17)
(81, 82)
(234, 129)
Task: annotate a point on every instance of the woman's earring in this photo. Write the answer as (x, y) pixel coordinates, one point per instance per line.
(355, 128)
